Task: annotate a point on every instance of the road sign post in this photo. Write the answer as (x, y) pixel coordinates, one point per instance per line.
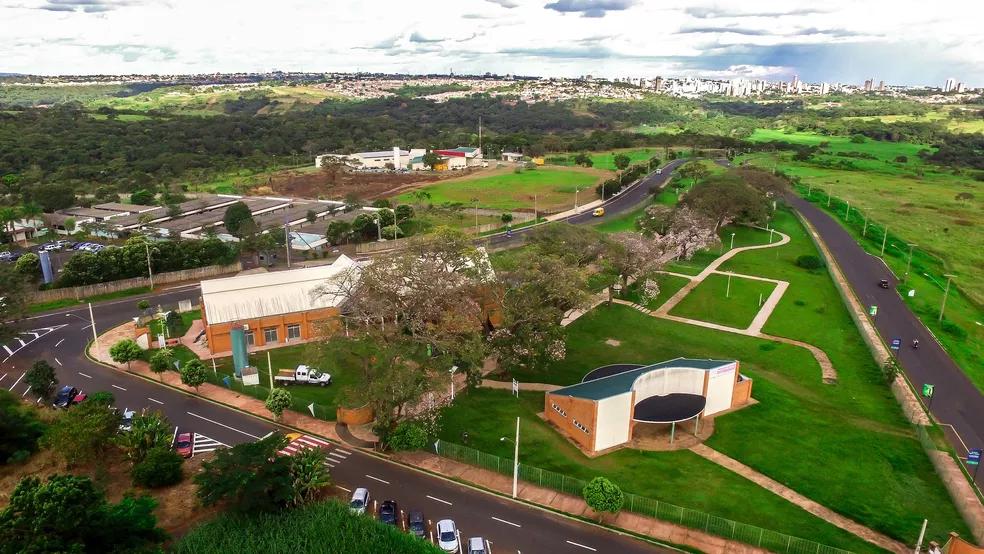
(974, 459)
(896, 344)
(928, 391)
(873, 311)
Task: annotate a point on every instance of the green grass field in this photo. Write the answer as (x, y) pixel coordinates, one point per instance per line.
(207, 101)
(713, 301)
(605, 160)
(68, 302)
(884, 151)
(668, 286)
(553, 186)
(666, 476)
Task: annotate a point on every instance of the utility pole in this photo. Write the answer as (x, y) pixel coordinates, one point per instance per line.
(535, 216)
(287, 242)
(884, 239)
(150, 271)
(908, 264)
(727, 293)
(847, 213)
(946, 291)
(922, 535)
(516, 460)
(92, 319)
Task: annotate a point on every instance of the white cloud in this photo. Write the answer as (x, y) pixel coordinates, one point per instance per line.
(846, 40)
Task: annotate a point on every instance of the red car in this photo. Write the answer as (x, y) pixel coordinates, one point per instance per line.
(184, 445)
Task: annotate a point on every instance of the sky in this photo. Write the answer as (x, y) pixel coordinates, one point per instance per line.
(899, 41)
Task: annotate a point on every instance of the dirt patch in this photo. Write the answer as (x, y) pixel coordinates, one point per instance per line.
(613, 342)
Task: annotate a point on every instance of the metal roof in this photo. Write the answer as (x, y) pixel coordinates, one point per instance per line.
(619, 383)
(121, 207)
(280, 292)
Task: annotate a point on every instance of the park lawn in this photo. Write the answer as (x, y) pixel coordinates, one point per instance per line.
(668, 286)
(487, 414)
(554, 188)
(606, 160)
(67, 302)
(854, 452)
(744, 236)
(882, 150)
(712, 301)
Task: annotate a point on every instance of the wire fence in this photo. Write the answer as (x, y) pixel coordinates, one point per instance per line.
(687, 517)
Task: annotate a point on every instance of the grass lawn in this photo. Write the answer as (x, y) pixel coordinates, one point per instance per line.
(708, 301)
(554, 188)
(744, 236)
(666, 476)
(68, 302)
(883, 150)
(668, 286)
(606, 160)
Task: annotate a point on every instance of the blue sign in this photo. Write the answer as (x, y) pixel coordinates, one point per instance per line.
(227, 382)
(896, 344)
(974, 457)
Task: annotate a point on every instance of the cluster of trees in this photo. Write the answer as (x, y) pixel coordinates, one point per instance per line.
(130, 260)
(386, 223)
(14, 298)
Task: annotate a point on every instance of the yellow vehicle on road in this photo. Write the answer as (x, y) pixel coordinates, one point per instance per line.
(598, 212)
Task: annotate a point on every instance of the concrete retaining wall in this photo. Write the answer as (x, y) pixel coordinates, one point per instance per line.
(86, 291)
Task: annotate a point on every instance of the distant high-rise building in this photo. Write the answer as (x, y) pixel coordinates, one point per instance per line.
(960, 87)
(868, 84)
(658, 83)
(949, 85)
(881, 85)
(824, 88)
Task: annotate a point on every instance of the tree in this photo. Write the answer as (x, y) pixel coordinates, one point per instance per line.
(694, 171)
(142, 197)
(125, 351)
(143, 305)
(386, 217)
(579, 245)
(583, 158)
(278, 401)
(50, 196)
(382, 203)
(431, 160)
(725, 199)
(20, 429)
(14, 298)
(602, 495)
(364, 226)
(338, 232)
(161, 467)
(161, 361)
(193, 374)
(8, 215)
(67, 513)
(809, 261)
(173, 322)
(621, 161)
(238, 220)
(408, 435)
(41, 379)
(309, 475)
(311, 216)
(404, 212)
(82, 433)
(506, 218)
(147, 431)
(250, 476)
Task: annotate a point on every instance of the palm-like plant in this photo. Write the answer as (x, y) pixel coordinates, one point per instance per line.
(30, 211)
(8, 215)
(309, 474)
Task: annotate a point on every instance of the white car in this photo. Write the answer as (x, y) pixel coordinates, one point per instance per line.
(447, 535)
(476, 545)
(126, 420)
(360, 501)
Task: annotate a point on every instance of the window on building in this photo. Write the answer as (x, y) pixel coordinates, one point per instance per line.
(580, 426)
(559, 410)
(294, 331)
(270, 334)
(250, 339)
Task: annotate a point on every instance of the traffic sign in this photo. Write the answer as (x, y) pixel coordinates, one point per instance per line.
(873, 311)
(974, 457)
(928, 390)
(896, 344)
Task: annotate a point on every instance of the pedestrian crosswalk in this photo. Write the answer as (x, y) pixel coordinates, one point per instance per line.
(25, 338)
(334, 454)
(203, 444)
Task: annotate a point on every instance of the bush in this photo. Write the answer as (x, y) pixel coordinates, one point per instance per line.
(858, 139)
(902, 159)
(603, 496)
(809, 262)
(408, 436)
(160, 468)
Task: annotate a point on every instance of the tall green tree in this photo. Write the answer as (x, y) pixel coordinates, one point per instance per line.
(238, 220)
(603, 496)
(194, 374)
(83, 433)
(309, 474)
(20, 429)
(125, 352)
(29, 265)
(41, 379)
(161, 361)
(250, 476)
(278, 401)
(431, 160)
(147, 431)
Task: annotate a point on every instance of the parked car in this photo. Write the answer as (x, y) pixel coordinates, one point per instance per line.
(360, 500)
(389, 512)
(883, 283)
(447, 535)
(65, 396)
(184, 445)
(416, 524)
(302, 374)
(7, 256)
(476, 545)
(79, 398)
(126, 422)
(598, 212)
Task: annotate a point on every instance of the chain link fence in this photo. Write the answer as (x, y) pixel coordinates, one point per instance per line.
(694, 519)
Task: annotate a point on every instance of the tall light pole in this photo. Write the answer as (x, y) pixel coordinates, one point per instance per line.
(727, 292)
(576, 190)
(847, 213)
(515, 457)
(92, 318)
(864, 231)
(946, 291)
(732, 242)
(451, 371)
(908, 264)
(150, 271)
(884, 239)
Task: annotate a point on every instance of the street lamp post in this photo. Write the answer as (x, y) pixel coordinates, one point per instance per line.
(946, 291)
(727, 292)
(847, 213)
(452, 370)
(864, 230)
(515, 458)
(884, 240)
(732, 247)
(576, 190)
(908, 264)
(150, 271)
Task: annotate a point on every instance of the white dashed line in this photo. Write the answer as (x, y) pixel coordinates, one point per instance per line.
(57, 344)
(582, 546)
(84, 375)
(17, 381)
(344, 489)
(439, 500)
(338, 456)
(223, 425)
(154, 400)
(58, 361)
(118, 387)
(506, 522)
(3, 376)
(377, 479)
(27, 390)
(9, 351)
(342, 451)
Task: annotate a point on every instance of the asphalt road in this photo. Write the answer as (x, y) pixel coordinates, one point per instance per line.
(61, 337)
(956, 403)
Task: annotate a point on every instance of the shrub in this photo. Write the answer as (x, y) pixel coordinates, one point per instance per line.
(808, 261)
(603, 496)
(408, 436)
(902, 159)
(858, 139)
(160, 468)
(278, 401)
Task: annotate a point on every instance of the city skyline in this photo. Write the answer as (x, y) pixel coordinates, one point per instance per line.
(840, 42)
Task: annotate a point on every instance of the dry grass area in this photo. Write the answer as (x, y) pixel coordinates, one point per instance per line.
(177, 510)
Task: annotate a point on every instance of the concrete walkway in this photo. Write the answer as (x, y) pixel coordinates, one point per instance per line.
(773, 486)
(507, 385)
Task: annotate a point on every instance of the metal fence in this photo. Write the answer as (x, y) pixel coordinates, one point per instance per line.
(687, 517)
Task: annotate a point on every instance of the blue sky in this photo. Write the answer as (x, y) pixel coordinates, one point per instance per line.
(901, 41)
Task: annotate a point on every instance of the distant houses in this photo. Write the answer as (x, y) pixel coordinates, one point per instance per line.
(462, 157)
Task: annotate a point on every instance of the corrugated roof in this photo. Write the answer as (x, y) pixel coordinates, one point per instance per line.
(276, 293)
(380, 154)
(123, 207)
(619, 383)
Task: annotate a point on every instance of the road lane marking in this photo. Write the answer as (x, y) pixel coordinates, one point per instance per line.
(582, 546)
(58, 361)
(17, 381)
(342, 451)
(339, 456)
(27, 390)
(22, 343)
(2, 377)
(439, 500)
(84, 375)
(118, 387)
(154, 400)
(223, 425)
(57, 344)
(9, 351)
(343, 488)
(377, 479)
(506, 522)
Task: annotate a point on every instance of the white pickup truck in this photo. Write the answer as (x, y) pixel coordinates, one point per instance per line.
(304, 375)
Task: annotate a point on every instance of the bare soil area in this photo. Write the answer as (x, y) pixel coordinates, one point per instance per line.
(337, 183)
